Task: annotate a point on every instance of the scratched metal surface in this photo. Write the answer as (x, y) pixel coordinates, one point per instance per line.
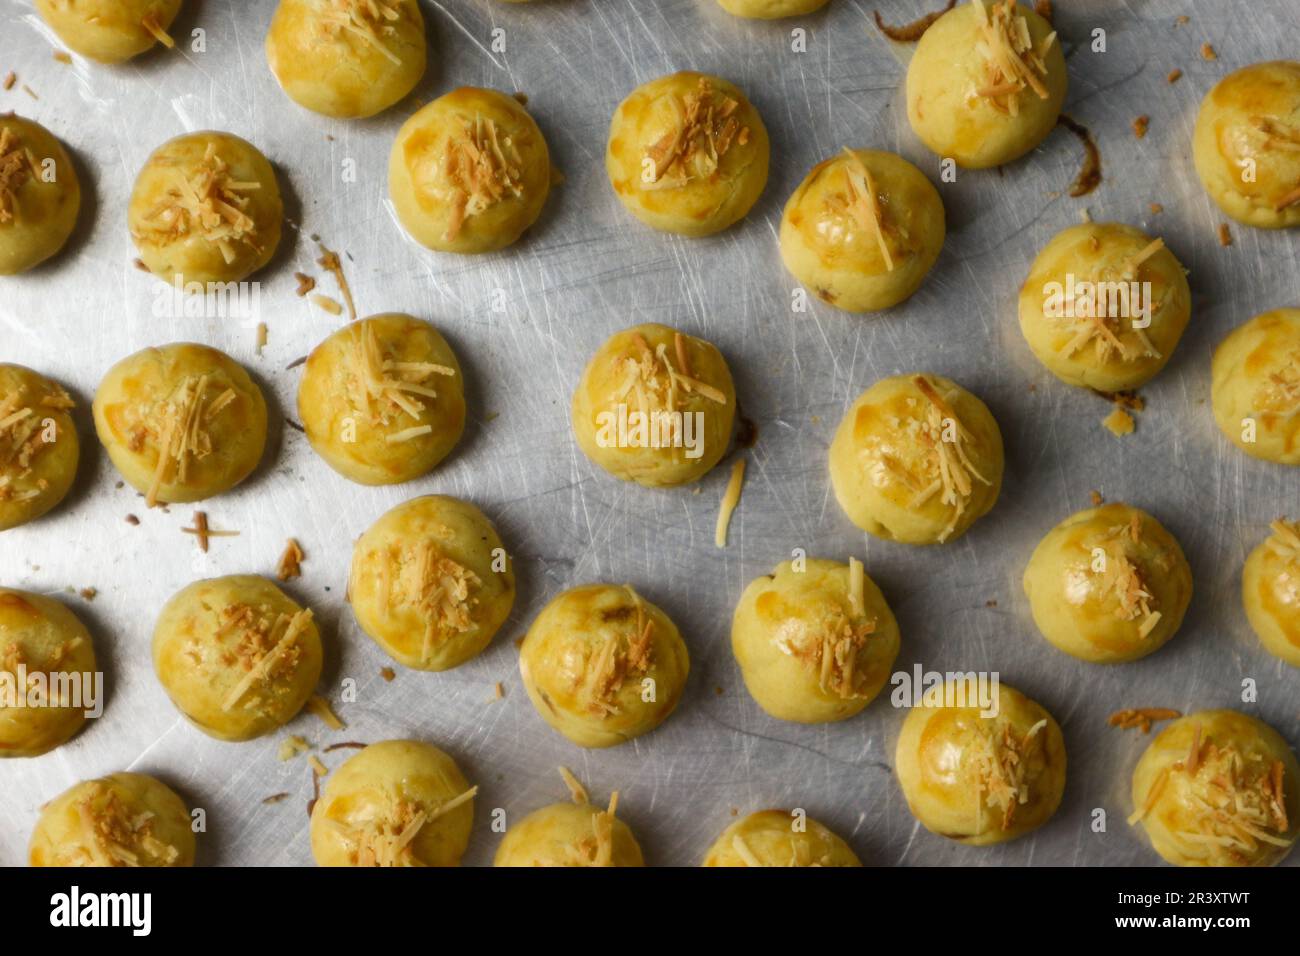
(587, 270)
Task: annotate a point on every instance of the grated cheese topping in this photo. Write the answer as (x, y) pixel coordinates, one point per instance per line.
(1236, 800)
(730, 499)
(1279, 395)
(207, 202)
(647, 378)
(946, 460)
(1012, 62)
(112, 834)
(619, 656)
(1106, 321)
(1284, 542)
(1001, 762)
(484, 167)
(862, 203)
(17, 166)
(22, 438)
(443, 592)
(706, 127)
(384, 389)
(1123, 581)
(178, 427)
(266, 648)
(383, 833)
(365, 22)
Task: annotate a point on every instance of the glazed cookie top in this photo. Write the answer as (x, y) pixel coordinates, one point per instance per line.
(40, 195)
(110, 31)
(772, 838)
(38, 445)
(1255, 386)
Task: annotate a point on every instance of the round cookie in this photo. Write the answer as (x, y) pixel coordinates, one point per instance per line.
(1104, 306)
(1108, 585)
(110, 31)
(986, 83)
(236, 655)
(814, 645)
(124, 819)
(42, 641)
(655, 406)
(570, 834)
(205, 209)
(431, 582)
(1218, 788)
(396, 803)
(469, 172)
(1255, 386)
(916, 459)
(40, 194)
(1270, 591)
(778, 838)
(980, 779)
(1246, 145)
(39, 448)
(862, 230)
(383, 399)
(182, 422)
(687, 153)
(347, 59)
(603, 665)
(770, 9)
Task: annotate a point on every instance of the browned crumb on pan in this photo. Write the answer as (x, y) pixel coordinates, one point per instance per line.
(62, 56)
(139, 264)
(1095, 497)
(1225, 234)
(1156, 208)
(1089, 177)
(10, 79)
(305, 284)
(132, 520)
(290, 564)
(910, 32)
(1119, 423)
(1174, 75)
(1208, 53)
(1141, 717)
(1130, 400)
(1141, 125)
(204, 532)
(329, 305)
(1182, 21)
(274, 798)
(329, 261)
(318, 768)
(89, 594)
(388, 674)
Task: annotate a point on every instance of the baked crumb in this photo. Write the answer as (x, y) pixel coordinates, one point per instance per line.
(318, 768)
(10, 79)
(1174, 75)
(1207, 52)
(388, 674)
(274, 798)
(290, 564)
(1141, 717)
(1156, 208)
(290, 747)
(305, 284)
(1141, 125)
(89, 594)
(329, 261)
(62, 56)
(1095, 497)
(1225, 234)
(1119, 422)
(329, 305)
(911, 32)
(132, 520)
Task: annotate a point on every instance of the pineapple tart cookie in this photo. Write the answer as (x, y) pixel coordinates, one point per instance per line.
(986, 83)
(346, 58)
(124, 819)
(1246, 145)
(862, 230)
(39, 448)
(110, 31)
(1108, 585)
(1218, 788)
(396, 803)
(687, 153)
(574, 834)
(40, 194)
(980, 779)
(1255, 386)
(1104, 306)
(1270, 591)
(916, 459)
(814, 642)
(774, 838)
(603, 665)
(43, 649)
(655, 406)
(469, 172)
(383, 399)
(205, 209)
(236, 655)
(770, 9)
(431, 582)
(182, 422)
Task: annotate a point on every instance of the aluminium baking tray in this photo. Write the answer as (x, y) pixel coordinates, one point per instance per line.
(586, 270)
